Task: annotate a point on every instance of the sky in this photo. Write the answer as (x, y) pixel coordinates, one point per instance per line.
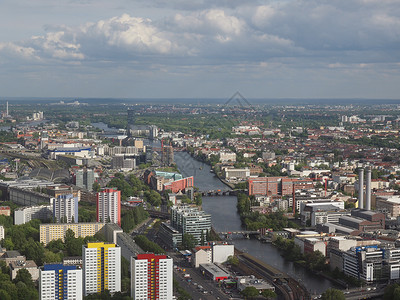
(200, 48)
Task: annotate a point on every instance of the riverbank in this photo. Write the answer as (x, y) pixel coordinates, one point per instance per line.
(228, 184)
(224, 218)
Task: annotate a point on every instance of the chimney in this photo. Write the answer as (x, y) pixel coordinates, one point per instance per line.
(368, 189)
(361, 188)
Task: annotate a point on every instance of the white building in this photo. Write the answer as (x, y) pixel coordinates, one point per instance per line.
(227, 157)
(221, 252)
(237, 173)
(65, 207)
(151, 277)
(1, 232)
(109, 206)
(26, 214)
(57, 281)
(101, 268)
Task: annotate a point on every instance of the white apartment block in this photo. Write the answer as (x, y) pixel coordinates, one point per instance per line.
(109, 206)
(101, 268)
(151, 277)
(57, 281)
(25, 214)
(65, 208)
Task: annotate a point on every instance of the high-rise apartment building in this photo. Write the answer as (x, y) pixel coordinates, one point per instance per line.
(65, 209)
(60, 282)
(109, 206)
(101, 268)
(151, 277)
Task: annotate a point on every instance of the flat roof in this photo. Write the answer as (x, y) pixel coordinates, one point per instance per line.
(214, 270)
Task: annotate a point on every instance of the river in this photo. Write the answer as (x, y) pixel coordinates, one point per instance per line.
(225, 218)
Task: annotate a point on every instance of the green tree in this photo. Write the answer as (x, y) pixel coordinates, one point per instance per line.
(96, 187)
(268, 294)
(24, 276)
(188, 241)
(250, 292)
(392, 291)
(4, 295)
(333, 294)
(233, 260)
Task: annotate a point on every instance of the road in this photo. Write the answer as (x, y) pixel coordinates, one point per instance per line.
(192, 287)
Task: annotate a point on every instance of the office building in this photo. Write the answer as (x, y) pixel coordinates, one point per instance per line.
(151, 277)
(109, 206)
(101, 268)
(189, 219)
(61, 282)
(51, 232)
(85, 179)
(65, 209)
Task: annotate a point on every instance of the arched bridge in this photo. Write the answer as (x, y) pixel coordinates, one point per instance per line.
(245, 233)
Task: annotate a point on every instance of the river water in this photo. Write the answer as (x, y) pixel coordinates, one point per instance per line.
(225, 218)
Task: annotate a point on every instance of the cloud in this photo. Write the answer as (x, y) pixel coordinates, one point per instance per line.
(329, 33)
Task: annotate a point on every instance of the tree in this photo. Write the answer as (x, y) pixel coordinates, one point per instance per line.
(333, 294)
(188, 241)
(4, 295)
(250, 292)
(24, 276)
(268, 294)
(233, 260)
(391, 292)
(96, 187)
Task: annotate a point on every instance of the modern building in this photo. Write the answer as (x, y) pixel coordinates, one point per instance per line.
(121, 163)
(179, 185)
(25, 214)
(61, 282)
(109, 206)
(65, 209)
(101, 268)
(50, 232)
(189, 219)
(151, 277)
(85, 179)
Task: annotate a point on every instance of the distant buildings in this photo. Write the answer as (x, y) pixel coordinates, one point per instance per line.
(65, 209)
(161, 181)
(274, 186)
(109, 206)
(167, 155)
(5, 210)
(151, 277)
(101, 268)
(58, 281)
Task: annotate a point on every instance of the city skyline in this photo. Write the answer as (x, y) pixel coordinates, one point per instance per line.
(271, 49)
